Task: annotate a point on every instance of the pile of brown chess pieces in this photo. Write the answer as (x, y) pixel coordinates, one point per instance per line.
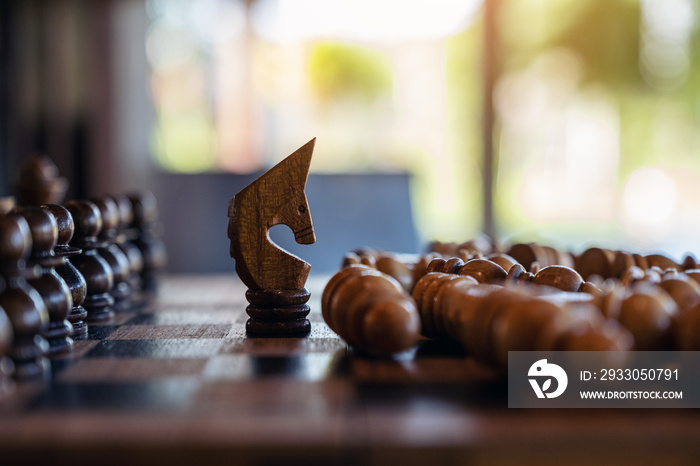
(64, 266)
(527, 297)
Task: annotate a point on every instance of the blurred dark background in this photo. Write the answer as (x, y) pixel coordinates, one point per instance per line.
(561, 121)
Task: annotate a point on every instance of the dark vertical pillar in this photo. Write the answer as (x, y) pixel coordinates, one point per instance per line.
(5, 8)
(490, 73)
(95, 136)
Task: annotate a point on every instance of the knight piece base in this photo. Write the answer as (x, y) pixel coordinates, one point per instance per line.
(278, 313)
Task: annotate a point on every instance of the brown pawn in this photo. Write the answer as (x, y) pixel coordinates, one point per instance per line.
(684, 291)
(648, 313)
(518, 274)
(144, 227)
(688, 332)
(526, 254)
(398, 270)
(631, 275)
(67, 271)
(370, 310)
(694, 274)
(451, 265)
(115, 257)
(6, 365)
(425, 295)
(558, 276)
(595, 261)
(97, 272)
(689, 262)
(504, 260)
(623, 262)
(22, 303)
(39, 183)
(484, 271)
(123, 241)
(351, 258)
(662, 262)
(51, 287)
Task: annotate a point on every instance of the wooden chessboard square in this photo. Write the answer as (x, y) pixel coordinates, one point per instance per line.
(283, 346)
(159, 332)
(320, 340)
(264, 397)
(422, 420)
(230, 308)
(130, 369)
(163, 348)
(322, 331)
(185, 317)
(310, 367)
(119, 318)
(80, 348)
(97, 332)
(20, 397)
(167, 394)
(408, 369)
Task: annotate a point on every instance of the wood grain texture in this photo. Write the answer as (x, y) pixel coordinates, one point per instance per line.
(276, 197)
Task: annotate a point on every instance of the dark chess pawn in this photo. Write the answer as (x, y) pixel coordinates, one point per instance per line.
(6, 365)
(115, 257)
(97, 272)
(22, 303)
(39, 183)
(122, 240)
(67, 271)
(144, 228)
(51, 287)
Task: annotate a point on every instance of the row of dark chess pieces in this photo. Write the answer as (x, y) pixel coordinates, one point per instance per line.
(64, 266)
(527, 297)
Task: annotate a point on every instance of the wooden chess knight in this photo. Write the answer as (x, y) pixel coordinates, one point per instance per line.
(275, 278)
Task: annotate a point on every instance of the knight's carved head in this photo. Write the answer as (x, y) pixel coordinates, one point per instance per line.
(276, 197)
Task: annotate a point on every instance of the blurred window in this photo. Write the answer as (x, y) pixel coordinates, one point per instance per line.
(385, 85)
(598, 104)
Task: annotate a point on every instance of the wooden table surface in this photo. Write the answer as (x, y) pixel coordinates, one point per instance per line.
(178, 382)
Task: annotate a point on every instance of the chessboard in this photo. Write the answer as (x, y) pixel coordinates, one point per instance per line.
(177, 381)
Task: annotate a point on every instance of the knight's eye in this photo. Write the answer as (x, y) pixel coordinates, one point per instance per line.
(302, 209)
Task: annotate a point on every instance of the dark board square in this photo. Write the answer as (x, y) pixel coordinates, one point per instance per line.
(121, 370)
(184, 317)
(99, 332)
(171, 332)
(170, 394)
(283, 346)
(310, 367)
(58, 365)
(176, 348)
(257, 398)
